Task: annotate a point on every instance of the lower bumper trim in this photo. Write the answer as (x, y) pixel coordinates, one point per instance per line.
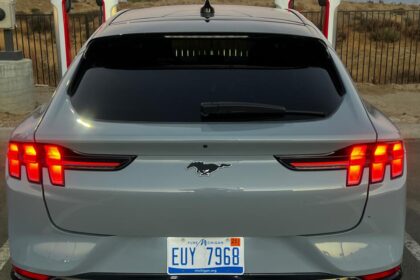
(112, 276)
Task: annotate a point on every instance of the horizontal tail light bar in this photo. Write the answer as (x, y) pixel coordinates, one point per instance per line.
(355, 159)
(57, 159)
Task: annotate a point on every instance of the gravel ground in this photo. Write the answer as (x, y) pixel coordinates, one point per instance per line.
(400, 102)
(43, 95)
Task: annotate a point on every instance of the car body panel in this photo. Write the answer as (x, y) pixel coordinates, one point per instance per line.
(85, 227)
(374, 245)
(165, 150)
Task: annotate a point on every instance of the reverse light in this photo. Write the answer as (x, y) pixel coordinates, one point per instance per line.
(57, 160)
(376, 157)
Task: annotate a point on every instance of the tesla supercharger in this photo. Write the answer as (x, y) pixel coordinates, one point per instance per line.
(108, 8)
(330, 15)
(60, 10)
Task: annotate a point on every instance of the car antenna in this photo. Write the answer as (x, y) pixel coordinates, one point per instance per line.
(207, 11)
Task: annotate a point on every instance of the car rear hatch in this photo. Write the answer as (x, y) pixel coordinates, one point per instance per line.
(189, 175)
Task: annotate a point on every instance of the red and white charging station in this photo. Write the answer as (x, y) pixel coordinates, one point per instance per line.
(61, 21)
(330, 15)
(108, 8)
(61, 9)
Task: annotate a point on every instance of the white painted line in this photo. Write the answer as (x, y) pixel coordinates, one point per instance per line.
(412, 246)
(4, 254)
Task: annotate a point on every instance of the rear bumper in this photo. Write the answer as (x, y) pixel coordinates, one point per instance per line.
(396, 276)
(376, 244)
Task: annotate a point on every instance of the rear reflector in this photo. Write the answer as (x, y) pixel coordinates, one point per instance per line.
(30, 275)
(355, 159)
(57, 159)
(383, 274)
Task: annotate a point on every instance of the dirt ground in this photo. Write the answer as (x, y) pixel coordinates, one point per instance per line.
(400, 102)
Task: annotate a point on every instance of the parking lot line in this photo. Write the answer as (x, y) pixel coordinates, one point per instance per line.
(412, 246)
(4, 254)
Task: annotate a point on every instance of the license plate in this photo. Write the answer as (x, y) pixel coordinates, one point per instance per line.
(201, 256)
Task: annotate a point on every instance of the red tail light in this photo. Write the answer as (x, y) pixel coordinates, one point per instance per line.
(356, 165)
(30, 159)
(57, 159)
(383, 274)
(355, 159)
(30, 275)
(397, 161)
(13, 160)
(380, 159)
(54, 164)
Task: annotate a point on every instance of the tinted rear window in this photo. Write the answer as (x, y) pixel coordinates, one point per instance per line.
(166, 78)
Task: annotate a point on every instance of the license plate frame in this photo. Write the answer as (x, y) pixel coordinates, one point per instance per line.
(205, 256)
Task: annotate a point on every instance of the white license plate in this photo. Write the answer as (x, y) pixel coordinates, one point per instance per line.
(198, 256)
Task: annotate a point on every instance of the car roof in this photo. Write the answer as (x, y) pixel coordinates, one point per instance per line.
(227, 19)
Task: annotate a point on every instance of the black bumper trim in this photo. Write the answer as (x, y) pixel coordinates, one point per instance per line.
(115, 276)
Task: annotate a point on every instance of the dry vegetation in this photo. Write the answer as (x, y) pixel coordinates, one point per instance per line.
(378, 47)
(31, 6)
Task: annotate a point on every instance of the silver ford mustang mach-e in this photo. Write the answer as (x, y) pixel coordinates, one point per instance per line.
(226, 143)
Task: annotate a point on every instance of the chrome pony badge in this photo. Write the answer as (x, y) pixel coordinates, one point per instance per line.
(204, 169)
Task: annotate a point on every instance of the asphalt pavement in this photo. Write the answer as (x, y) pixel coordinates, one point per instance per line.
(411, 263)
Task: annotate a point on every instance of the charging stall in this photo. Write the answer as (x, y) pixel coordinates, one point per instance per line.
(329, 13)
(108, 8)
(61, 9)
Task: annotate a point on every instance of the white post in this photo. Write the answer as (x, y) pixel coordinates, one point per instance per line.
(109, 8)
(62, 34)
(330, 21)
(284, 4)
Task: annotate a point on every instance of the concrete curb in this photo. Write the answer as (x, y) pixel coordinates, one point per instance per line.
(408, 131)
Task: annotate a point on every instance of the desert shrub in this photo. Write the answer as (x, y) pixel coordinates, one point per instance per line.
(35, 11)
(399, 11)
(373, 24)
(385, 34)
(413, 32)
(408, 76)
(39, 24)
(408, 21)
(341, 36)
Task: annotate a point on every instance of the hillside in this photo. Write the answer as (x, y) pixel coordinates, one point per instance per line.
(44, 6)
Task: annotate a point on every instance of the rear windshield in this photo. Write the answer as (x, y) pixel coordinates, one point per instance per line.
(167, 78)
